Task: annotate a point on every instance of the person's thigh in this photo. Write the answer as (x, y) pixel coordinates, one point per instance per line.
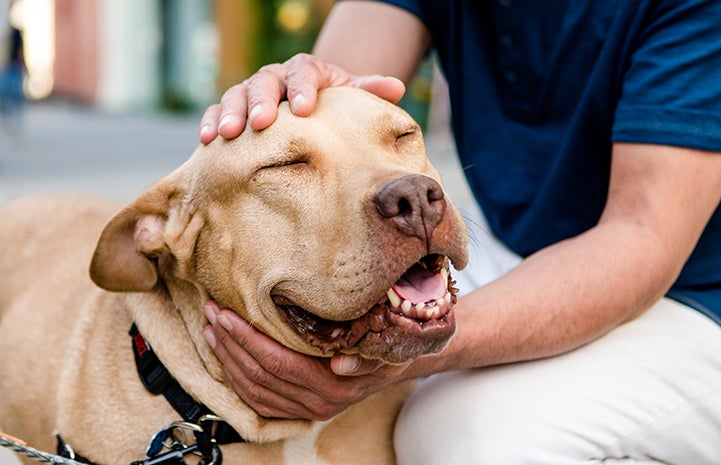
(649, 392)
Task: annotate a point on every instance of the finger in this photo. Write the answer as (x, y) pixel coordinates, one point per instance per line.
(274, 380)
(353, 365)
(265, 401)
(266, 361)
(233, 112)
(385, 87)
(208, 129)
(265, 90)
(306, 75)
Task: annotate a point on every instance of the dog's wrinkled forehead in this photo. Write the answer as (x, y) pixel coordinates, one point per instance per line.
(345, 121)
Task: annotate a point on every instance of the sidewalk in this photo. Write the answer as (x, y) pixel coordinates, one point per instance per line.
(65, 148)
(70, 149)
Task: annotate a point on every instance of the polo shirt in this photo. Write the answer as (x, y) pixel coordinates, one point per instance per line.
(540, 90)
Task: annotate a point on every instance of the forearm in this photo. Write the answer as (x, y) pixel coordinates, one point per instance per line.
(570, 293)
(365, 37)
(557, 300)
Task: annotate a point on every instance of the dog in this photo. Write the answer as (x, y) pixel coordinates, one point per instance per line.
(329, 233)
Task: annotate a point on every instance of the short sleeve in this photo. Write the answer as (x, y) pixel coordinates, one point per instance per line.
(671, 91)
(414, 7)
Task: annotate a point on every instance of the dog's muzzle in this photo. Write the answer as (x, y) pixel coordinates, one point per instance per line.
(414, 317)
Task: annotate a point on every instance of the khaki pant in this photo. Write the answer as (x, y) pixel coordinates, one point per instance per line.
(649, 392)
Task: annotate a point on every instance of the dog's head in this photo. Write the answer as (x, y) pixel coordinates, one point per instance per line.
(329, 233)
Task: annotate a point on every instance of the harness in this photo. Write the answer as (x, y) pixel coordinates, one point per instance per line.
(199, 433)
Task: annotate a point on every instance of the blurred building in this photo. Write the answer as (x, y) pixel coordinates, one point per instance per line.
(149, 54)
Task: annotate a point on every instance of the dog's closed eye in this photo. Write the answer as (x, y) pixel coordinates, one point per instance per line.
(295, 153)
(292, 160)
(406, 134)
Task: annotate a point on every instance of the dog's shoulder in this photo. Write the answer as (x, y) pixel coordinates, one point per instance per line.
(50, 229)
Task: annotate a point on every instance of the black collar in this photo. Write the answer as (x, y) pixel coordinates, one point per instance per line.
(209, 430)
(158, 380)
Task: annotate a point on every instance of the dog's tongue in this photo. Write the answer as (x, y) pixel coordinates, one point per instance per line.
(421, 285)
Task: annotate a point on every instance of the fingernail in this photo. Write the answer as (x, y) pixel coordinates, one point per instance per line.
(225, 322)
(210, 313)
(256, 111)
(297, 102)
(226, 119)
(205, 131)
(349, 364)
(209, 338)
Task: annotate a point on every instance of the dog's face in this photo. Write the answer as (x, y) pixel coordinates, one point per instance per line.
(329, 233)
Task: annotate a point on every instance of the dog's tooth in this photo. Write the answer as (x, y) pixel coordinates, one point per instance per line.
(441, 301)
(420, 306)
(444, 274)
(336, 332)
(406, 305)
(393, 297)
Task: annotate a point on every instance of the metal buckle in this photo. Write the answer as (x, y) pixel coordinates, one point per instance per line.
(175, 438)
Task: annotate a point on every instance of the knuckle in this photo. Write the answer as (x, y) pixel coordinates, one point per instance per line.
(254, 393)
(272, 364)
(227, 340)
(304, 58)
(211, 110)
(273, 69)
(233, 93)
(257, 374)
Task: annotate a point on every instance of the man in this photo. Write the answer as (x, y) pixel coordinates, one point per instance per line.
(591, 133)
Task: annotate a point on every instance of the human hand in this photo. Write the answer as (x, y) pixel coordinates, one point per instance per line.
(298, 80)
(280, 383)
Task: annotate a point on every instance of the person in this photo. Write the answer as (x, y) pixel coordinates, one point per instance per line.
(590, 133)
(11, 85)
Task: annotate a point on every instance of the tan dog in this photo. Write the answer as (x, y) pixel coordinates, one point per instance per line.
(328, 233)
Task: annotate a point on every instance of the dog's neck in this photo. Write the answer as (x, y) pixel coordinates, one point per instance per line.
(174, 329)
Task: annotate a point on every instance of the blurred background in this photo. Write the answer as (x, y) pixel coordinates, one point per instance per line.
(172, 55)
(105, 96)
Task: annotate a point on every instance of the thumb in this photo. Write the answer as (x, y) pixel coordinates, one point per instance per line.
(353, 365)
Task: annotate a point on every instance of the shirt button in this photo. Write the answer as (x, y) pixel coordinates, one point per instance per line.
(505, 3)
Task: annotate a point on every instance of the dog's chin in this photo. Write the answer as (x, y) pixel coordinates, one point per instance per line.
(414, 318)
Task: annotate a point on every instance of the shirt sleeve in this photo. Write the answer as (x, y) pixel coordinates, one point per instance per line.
(671, 91)
(414, 7)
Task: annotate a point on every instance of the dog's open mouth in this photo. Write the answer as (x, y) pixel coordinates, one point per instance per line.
(416, 309)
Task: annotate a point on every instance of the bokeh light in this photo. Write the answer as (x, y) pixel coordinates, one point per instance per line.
(36, 20)
(293, 15)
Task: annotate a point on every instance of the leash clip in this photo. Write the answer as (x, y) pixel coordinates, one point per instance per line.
(175, 438)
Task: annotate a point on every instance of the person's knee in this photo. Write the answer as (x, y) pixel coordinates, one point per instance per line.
(487, 418)
(442, 423)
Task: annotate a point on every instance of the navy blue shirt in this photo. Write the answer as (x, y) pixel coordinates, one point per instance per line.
(541, 89)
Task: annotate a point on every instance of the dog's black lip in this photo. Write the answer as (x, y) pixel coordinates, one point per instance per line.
(305, 322)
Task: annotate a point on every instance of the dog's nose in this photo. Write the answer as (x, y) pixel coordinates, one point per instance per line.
(414, 203)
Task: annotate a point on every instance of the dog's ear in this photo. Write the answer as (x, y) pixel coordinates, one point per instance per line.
(156, 223)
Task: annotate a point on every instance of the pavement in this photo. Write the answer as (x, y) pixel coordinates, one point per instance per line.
(66, 148)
